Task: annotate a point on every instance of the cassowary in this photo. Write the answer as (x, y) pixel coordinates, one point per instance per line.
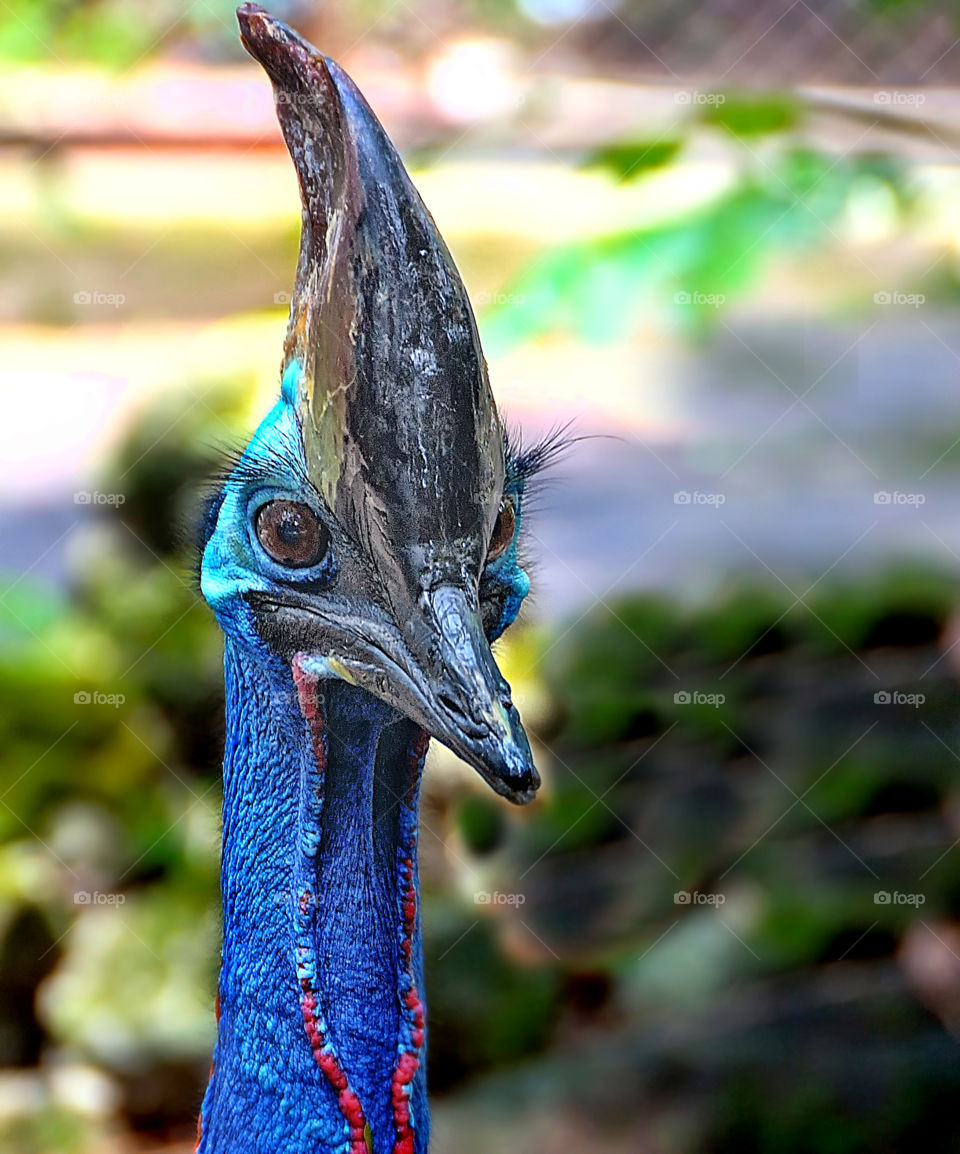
(360, 557)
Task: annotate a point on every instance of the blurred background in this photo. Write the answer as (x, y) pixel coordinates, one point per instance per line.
(723, 240)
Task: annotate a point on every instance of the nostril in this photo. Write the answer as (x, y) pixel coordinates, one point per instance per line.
(469, 725)
(452, 706)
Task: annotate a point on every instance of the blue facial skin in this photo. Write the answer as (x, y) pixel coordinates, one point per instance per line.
(289, 826)
(503, 581)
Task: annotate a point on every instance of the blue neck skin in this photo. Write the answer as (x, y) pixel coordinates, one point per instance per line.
(319, 825)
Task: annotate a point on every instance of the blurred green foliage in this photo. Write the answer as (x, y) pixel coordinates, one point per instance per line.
(109, 33)
(784, 199)
(742, 852)
(789, 791)
(121, 33)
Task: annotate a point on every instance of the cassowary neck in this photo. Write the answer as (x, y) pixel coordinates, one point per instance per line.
(320, 1035)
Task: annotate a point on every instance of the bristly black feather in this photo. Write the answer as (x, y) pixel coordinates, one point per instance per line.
(255, 463)
(210, 494)
(239, 464)
(526, 466)
(526, 463)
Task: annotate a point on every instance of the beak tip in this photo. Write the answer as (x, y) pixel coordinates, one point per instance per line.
(520, 795)
(525, 796)
(515, 778)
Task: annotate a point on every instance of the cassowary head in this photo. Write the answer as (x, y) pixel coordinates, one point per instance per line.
(370, 526)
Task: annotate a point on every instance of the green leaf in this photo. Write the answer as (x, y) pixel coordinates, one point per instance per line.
(630, 160)
(752, 115)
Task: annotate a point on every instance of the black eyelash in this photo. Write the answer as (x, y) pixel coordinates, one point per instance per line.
(527, 464)
(239, 464)
(236, 463)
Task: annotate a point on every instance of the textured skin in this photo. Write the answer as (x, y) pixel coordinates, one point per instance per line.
(268, 1094)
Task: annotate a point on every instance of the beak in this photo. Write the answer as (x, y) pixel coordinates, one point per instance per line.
(469, 705)
(439, 672)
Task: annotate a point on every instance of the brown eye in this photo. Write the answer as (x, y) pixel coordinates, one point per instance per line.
(292, 534)
(502, 530)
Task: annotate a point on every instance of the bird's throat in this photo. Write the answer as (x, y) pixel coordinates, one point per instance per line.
(356, 882)
(320, 1040)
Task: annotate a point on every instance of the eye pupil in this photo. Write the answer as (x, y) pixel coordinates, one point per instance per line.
(291, 533)
(290, 529)
(503, 530)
